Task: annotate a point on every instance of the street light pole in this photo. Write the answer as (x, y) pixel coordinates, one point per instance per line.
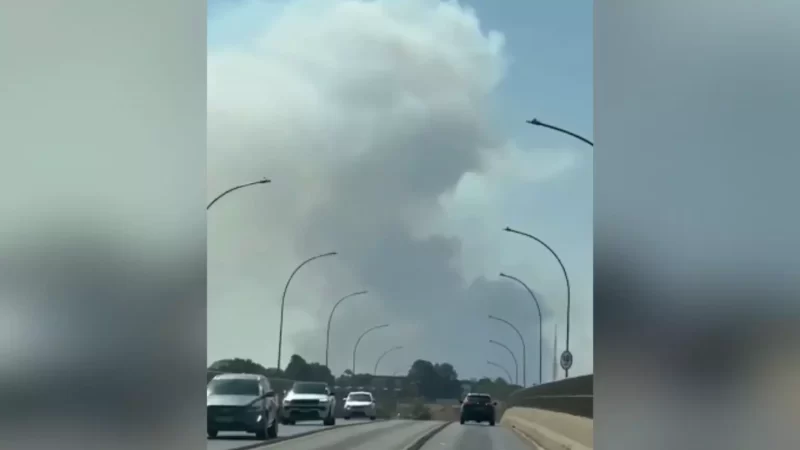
(262, 181)
(375, 371)
(539, 309)
(283, 301)
(516, 365)
(524, 351)
(358, 341)
(503, 368)
(328, 333)
(539, 123)
(566, 277)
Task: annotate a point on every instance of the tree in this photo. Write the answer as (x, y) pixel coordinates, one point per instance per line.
(320, 372)
(434, 381)
(424, 379)
(297, 369)
(446, 372)
(355, 380)
(237, 365)
(498, 388)
(301, 370)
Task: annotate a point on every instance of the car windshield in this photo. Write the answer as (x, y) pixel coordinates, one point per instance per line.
(478, 399)
(233, 386)
(359, 398)
(310, 388)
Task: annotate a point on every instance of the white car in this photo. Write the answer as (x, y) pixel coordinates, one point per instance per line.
(309, 401)
(360, 404)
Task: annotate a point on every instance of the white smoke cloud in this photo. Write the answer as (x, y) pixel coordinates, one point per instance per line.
(370, 117)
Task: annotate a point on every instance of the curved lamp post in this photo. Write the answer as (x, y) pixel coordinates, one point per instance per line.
(235, 188)
(283, 300)
(503, 368)
(539, 123)
(514, 357)
(524, 352)
(375, 371)
(328, 333)
(563, 269)
(538, 308)
(355, 347)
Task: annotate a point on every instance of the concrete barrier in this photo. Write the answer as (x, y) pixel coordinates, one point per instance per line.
(572, 396)
(550, 430)
(554, 416)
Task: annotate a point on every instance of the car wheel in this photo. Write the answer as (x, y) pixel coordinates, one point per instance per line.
(212, 434)
(262, 434)
(272, 431)
(491, 423)
(372, 418)
(346, 417)
(462, 421)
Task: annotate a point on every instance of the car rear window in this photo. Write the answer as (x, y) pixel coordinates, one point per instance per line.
(478, 399)
(359, 398)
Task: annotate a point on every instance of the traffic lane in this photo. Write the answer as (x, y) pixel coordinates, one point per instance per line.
(475, 437)
(388, 435)
(232, 440)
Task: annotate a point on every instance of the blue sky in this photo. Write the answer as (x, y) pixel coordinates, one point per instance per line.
(543, 185)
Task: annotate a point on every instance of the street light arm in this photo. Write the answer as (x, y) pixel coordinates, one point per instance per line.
(358, 341)
(375, 370)
(524, 351)
(539, 123)
(262, 181)
(538, 308)
(530, 291)
(563, 269)
(502, 368)
(330, 318)
(512, 327)
(514, 357)
(283, 299)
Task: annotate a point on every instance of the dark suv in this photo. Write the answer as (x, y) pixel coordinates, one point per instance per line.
(478, 408)
(241, 402)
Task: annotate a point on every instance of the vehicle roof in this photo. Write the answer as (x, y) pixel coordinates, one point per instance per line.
(311, 382)
(478, 394)
(360, 392)
(238, 376)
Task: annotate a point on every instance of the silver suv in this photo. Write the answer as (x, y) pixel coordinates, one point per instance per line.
(241, 402)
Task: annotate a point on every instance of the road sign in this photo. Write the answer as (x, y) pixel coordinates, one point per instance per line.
(566, 360)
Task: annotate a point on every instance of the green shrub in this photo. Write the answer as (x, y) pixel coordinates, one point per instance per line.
(420, 412)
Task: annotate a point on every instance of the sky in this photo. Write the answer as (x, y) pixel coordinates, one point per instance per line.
(394, 133)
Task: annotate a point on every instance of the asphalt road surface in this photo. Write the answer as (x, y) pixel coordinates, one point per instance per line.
(386, 435)
(232, 440)
(475, 437)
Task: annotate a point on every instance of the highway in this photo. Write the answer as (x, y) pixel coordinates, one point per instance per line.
(388, 435)
(383, 435)
(475, 437)
(234, 440)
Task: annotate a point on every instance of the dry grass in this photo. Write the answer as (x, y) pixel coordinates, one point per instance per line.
(442, 412)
